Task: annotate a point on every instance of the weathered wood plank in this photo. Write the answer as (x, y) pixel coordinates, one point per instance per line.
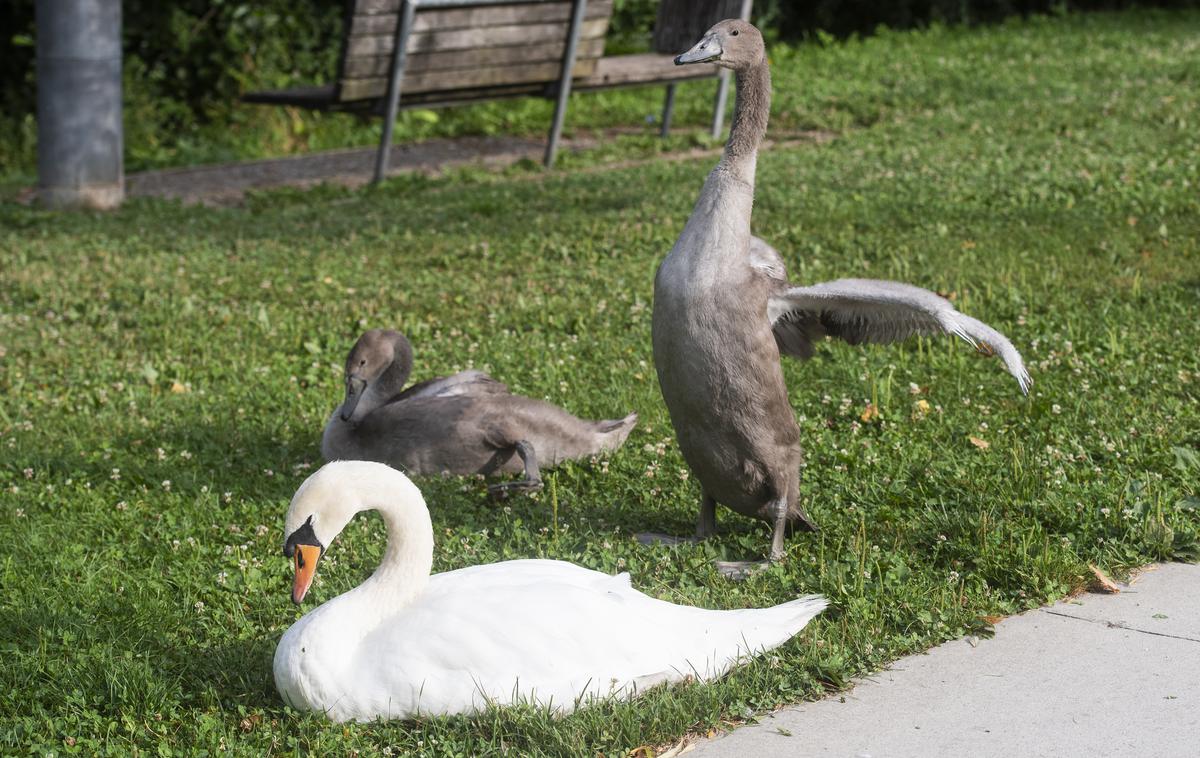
(487, 16)
(643, 68)
(381, 65)
(359, 89)
(465, 39)
(367, 7)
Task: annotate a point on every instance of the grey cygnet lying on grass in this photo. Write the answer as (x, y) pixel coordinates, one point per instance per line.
(467, 423)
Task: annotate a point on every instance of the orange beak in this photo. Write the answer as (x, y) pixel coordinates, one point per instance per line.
(306, 568)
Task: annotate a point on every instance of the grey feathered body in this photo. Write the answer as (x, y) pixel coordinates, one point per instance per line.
(717, 360)
(724, 312)
(468, 434)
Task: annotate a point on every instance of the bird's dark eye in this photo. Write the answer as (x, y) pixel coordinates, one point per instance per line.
(734, 32)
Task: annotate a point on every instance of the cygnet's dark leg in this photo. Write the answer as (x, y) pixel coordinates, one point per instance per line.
(706, 526)
(533, 476)
(742, 569)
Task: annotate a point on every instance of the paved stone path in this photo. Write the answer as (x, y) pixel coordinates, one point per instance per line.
(226, 183)
(1094, 676)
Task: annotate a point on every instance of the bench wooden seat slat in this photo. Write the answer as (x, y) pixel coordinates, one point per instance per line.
(640, 68)
(434, 81)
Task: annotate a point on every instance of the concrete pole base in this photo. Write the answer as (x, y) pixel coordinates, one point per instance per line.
(95, 197)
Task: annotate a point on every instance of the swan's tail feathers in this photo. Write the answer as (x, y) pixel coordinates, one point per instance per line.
(796, 614)
(614, 432)
(761, 629)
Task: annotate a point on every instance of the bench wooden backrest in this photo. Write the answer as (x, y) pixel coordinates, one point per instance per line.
(511, 43)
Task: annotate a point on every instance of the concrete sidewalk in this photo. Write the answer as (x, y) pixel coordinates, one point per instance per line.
(1099, 675)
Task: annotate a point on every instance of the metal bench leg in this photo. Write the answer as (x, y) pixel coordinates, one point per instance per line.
(399, 53)
(668, 111)
(718, 120)
(564, 84)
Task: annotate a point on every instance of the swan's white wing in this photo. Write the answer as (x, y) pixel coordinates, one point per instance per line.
(552, 632)
(462, 383)
(870, 310)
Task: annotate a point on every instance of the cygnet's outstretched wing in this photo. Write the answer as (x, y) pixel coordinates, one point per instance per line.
(870, 310)
(462, 383)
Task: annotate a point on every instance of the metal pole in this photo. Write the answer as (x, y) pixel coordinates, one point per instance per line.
(80, 135)
(564, 84)
(718, 122)
(399, 53)
(668, 111)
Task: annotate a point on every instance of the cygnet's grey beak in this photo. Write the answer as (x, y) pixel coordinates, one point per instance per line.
(707, 49)
(355, 387)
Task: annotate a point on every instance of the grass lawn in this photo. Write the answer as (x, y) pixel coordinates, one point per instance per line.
(167, 371)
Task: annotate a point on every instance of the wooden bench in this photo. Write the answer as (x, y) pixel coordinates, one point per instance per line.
(432, 53)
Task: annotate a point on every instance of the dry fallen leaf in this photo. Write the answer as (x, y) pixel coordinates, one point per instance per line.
(980, 443)
(1102, 582)
(679, 748)
(869, 414)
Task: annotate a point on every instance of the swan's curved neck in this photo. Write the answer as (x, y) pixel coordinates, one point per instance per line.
(404, 571)
(750, 116)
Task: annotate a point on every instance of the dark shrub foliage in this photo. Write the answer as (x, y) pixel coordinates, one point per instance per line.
(186, 61)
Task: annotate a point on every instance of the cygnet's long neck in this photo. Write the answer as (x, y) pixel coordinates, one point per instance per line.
(750, 115)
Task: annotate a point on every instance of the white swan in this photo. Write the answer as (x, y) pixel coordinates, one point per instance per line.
(405, 643)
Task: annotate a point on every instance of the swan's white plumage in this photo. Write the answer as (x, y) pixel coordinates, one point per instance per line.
(541, 631)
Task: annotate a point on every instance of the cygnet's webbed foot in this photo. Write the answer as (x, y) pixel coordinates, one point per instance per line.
(740, 570)
(533, 475)
(502, 490)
